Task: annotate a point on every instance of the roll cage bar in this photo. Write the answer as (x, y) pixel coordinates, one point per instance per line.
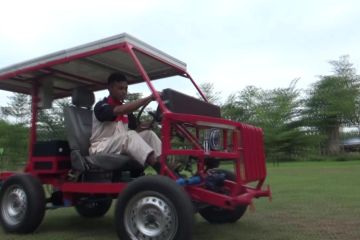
(28, 77)
(89, 66)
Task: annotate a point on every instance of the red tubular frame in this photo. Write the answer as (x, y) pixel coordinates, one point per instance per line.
(246, 152)
(243, 156)
(34, 115)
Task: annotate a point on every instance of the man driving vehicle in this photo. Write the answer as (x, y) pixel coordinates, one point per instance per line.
(110, 129)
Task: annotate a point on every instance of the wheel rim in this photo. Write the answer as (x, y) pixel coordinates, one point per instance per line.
(150, 215)
(14, 205)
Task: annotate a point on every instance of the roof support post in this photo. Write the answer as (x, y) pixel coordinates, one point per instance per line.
(197, 87)
(144, 75)
(34, 115)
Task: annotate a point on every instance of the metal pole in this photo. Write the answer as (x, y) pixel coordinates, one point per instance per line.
(145, 77)
(34, 114)
(197, 88)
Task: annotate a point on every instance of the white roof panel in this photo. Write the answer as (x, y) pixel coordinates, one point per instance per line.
(90, 64)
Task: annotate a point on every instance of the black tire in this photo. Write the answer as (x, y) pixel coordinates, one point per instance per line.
(22, 204)
(154, 207)
(93, 207)
(217, 215)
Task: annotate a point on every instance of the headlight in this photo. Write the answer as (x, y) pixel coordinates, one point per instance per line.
(215, 139)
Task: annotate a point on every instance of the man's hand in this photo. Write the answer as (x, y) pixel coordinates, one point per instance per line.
(145, 126)
(153, 97)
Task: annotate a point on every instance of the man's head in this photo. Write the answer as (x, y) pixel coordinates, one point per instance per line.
(117, 86)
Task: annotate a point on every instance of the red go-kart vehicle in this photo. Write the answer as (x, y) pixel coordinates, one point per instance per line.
(220, 164)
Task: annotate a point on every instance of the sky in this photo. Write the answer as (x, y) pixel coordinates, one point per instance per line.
(229, 43)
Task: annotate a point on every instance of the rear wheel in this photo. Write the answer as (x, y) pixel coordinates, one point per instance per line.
(219, 215)
(22, 203)
(154, 207)
(93, 207)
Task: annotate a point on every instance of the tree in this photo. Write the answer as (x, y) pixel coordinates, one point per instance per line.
(133, 97)
(51, 122)
(278, 113)
(280, 116)
(241, 106)
(334, 102)
(18, 108)
(210, 93)
(14, 140)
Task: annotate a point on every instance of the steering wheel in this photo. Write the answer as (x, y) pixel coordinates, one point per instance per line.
(156, 115)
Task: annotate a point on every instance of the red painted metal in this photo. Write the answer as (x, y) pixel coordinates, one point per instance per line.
(6, 174)
(230, 202)
(188, 135)
(130, 49)
(53, 165)
(166, 138)
(242, 144)
(93, 187)
(180, 70)
(197, 87)
(201, 153)
(195, 119)
(253, 154)
(141, 69)
(34, 114)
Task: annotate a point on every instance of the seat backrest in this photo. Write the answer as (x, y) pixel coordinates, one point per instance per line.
(78, 120)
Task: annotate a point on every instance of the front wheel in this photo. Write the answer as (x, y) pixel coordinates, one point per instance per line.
(22, 203)
(219, 215)
(154, 207)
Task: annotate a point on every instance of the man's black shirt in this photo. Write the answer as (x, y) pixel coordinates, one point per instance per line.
(105, 112)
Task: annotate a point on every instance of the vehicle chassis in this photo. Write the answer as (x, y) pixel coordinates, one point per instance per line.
(242, 145)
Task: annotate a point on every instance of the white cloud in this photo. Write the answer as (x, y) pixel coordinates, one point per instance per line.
(232, 43)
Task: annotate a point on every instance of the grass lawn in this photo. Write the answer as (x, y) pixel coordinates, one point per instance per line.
(311, 200)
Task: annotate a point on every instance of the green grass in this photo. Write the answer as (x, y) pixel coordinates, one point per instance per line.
(311, 200)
